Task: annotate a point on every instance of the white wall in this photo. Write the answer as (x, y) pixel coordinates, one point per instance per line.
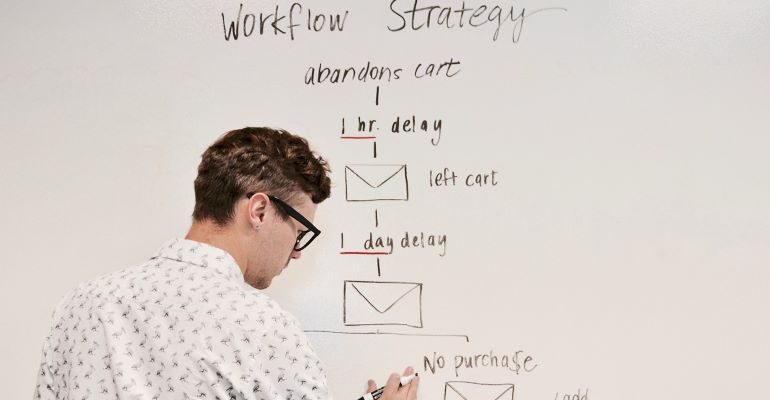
(624, 248)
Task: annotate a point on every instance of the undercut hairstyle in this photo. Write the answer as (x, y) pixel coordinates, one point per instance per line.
(252, 160)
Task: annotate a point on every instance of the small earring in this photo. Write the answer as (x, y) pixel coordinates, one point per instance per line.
(256, 227)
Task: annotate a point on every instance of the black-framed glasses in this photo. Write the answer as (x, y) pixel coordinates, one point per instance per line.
(305, 237)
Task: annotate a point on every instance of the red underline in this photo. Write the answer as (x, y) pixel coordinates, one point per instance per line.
(367, 253)
(358, 137)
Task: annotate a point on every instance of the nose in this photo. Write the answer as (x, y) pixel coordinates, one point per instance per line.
(296, 254)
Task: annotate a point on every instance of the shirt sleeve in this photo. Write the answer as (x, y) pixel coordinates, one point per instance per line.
(44, 389)
(276, 362)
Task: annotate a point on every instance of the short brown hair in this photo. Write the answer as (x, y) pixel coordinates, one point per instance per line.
(266, 160)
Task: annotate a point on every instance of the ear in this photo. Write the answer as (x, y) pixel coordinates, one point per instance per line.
(257, 209)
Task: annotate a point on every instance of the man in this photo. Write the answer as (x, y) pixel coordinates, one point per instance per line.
(182, 325)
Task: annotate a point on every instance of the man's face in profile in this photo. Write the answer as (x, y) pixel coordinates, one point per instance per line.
(275, 241)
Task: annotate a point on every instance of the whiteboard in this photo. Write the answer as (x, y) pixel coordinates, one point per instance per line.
(573, 205)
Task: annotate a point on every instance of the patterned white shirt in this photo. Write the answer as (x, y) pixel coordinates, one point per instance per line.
(180, 326)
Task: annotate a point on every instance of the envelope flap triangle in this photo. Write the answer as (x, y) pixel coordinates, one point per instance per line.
(375, 175)
(450, 386)
(481, 391)
(383, 296)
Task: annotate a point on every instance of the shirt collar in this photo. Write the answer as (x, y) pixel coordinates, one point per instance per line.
(202, 255)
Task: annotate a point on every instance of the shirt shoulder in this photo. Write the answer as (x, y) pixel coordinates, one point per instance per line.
(98, 287)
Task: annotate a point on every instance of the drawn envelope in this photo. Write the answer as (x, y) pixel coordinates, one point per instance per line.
(382, 303)
(460, 390)
(372, 182)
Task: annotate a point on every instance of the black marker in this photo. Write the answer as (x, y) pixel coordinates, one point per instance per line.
(378, 393)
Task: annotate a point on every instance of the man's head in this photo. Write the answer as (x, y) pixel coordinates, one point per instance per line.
(249, 183)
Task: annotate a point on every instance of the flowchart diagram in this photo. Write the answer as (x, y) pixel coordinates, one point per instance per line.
(385, 304)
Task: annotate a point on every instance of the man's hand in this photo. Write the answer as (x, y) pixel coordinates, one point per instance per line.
(393, 392)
